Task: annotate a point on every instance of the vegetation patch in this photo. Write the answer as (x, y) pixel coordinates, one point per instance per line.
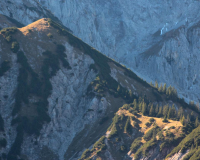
(60, 49)
(5, 66)
(127, 128)
(192, 139)
(136, 144)
(85, 154)
(98, 147)
(132, 114)
(171, 94)
(8, 31)
(15, 47)
(170, 141)
(152, 132)
(143, 150)
(50, 35)
(115, 121)
(193, 155)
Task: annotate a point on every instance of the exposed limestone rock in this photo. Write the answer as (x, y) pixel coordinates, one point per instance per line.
(8, 84)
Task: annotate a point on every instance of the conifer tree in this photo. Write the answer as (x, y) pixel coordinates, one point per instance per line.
(126, 94)
(170, 113)
(180, 113)
(183, 120)
(154, 135)
(192, 117)
(169, 91)
(192, 147)
(197, 105)
(196, 122)
(135, 105)
(144, 108)
(130, 94)
(173, 112)
(156, 84)
(165, 119)
(164, 88)
(140, 106)
(197, 145)
(188, 118)
(127, 125)
(160, 113)
(174, 92)
(156, 110)
(140, 100)
(160, 89)
(165, 110)
(151, 111)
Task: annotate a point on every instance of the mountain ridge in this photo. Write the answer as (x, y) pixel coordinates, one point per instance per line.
(56, 91)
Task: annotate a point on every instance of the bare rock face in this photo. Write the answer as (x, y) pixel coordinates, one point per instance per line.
(8, 84)
(176, 60)
(68, 106)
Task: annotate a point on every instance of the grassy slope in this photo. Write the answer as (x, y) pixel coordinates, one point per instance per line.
(193, 139)
(125, 138)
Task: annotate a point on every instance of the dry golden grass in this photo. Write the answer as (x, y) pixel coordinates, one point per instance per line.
(159, 121)
(40, 25)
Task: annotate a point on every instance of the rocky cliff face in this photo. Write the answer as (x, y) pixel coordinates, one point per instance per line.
(176, 60)
(124, 30)
(68, 106)
(68, 103)
(35, 61)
